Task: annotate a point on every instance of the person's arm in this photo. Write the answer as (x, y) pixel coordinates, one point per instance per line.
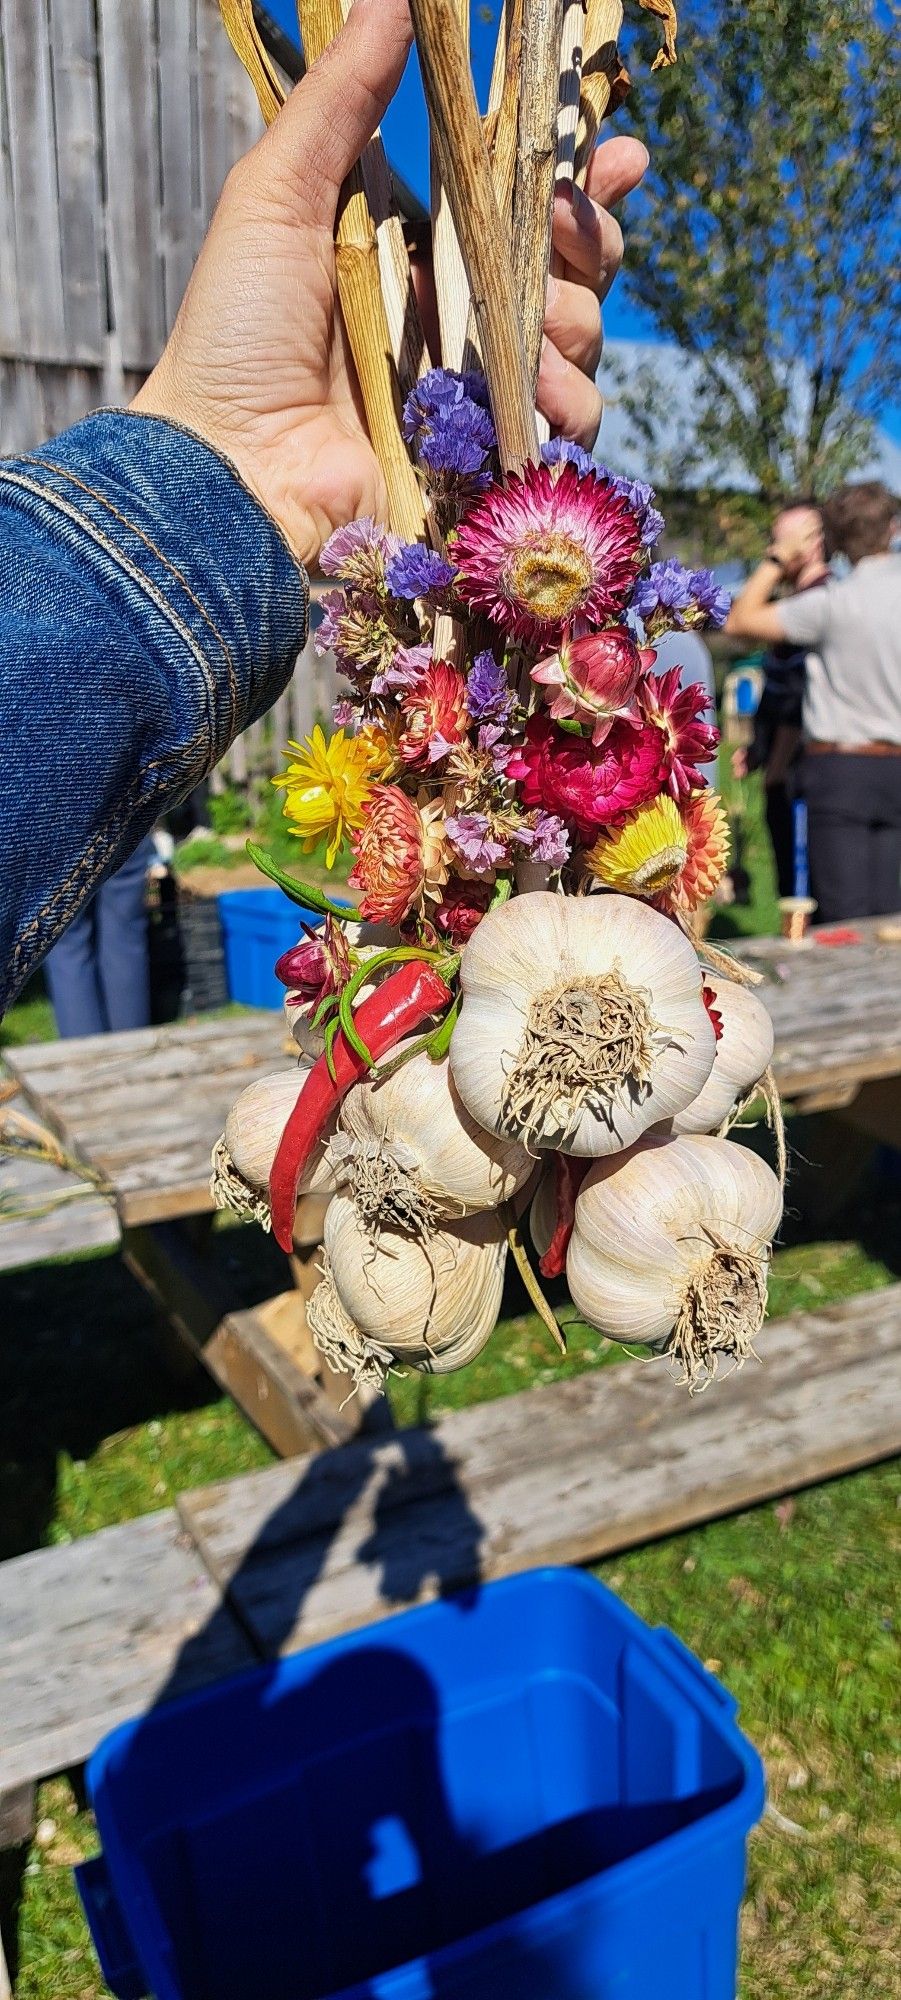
(752, 614)
(149, 610)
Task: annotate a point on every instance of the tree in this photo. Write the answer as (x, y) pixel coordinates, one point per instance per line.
(766, 240)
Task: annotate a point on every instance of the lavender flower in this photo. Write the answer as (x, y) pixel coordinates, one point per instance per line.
(641, 499)
(325, 637)
(489, 696)
(546, 839)
(471, 835)
(345, 714)
(417, 571)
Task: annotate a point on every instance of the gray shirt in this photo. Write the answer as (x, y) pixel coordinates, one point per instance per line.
(852, 626)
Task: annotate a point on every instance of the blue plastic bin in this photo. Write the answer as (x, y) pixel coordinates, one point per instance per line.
(523, 1794)
(257, 926)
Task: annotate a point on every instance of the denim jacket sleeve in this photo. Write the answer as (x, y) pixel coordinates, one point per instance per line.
(149, 610)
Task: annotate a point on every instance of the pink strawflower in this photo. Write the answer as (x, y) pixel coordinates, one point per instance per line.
(676, 711)
(399, 854)
(434, 715)
(591, 787)
(593, 679)
(544, 547)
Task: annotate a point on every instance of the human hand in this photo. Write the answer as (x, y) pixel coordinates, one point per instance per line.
(258, 362)
(797, 540)
(739, 763)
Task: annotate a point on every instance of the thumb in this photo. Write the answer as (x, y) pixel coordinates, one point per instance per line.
(330, 117)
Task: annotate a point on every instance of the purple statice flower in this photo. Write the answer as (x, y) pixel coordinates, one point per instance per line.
(712, 601)
(404, 671)
(492, 743)
(642, 501)
(471, 835)
(663, 597)
(672, 597)
(325, 637)
(489, 696)
(446, 417)
(546, 839)
(345, 714)
(417, 571)
(358, 553)
(562, 451)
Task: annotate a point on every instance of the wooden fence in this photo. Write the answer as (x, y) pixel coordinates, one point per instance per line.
(119, 120)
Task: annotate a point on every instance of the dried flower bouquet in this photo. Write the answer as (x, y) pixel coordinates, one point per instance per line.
(517, 1016)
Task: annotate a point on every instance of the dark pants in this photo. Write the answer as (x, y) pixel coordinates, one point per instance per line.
(99, 972)
(780, 807)
(854, 835)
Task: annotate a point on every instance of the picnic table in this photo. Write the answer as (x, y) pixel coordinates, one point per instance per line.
(144, 1110)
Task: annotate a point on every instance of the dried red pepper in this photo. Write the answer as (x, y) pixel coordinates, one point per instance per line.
(402, 1002)
(569, 1174)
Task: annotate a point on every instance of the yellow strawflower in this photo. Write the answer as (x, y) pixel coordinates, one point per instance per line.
(645, 855)
(328, 786)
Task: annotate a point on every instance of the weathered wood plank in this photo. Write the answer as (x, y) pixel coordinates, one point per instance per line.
(180, 228)
(36, 213)
(130, 117)
(564, 1473)
(10, 323)
(251, 1354)
(73, 48)
(98, 1630)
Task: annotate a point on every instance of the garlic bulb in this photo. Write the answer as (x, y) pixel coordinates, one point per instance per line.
(255, 1125)
(743, 1052)
(582, 1022)
(431, 1302)
(410, 1153)
(366, 940)
(671, 1248)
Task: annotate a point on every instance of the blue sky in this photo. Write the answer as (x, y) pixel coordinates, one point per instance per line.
(406, 137)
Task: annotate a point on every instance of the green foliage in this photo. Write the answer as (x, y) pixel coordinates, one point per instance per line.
(227, 811)
(766, 240)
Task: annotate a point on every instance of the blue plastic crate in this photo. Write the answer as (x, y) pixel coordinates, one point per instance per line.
(522, 1794)
(257, 926)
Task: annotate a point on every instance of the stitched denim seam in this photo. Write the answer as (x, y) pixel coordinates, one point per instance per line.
(105, 838)
(102, 501)
(56, 502)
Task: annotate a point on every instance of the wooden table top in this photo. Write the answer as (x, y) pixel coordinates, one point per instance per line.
(146, 1108)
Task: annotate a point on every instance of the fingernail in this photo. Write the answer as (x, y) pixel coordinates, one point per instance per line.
(552, 294)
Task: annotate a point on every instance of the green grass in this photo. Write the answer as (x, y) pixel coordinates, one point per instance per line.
(790, 1604)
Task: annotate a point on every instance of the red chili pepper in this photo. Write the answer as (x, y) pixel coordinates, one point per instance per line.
(568, 1177)
(402, 1002)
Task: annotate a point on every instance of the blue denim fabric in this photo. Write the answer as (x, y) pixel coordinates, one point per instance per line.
(149, 610)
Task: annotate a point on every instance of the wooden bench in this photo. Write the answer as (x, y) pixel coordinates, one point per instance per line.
(103, 1628)
(144, 1110)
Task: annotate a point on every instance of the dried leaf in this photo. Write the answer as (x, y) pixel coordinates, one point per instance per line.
(666, 12)
(242, 32)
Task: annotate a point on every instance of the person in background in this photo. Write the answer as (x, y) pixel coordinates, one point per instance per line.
(775, 748)
(850, 631)
(98, 975)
